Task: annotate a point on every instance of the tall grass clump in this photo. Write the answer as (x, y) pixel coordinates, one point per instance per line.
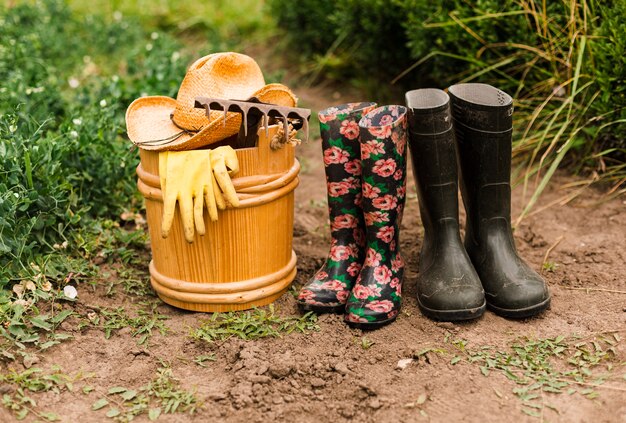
(563, 61)
(568, 85)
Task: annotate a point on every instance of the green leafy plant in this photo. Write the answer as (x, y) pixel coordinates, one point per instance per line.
(34, 380)
(23, 324)
(143, 324)
(251, 325)
(64, 160)
(548, 366)
(163, 395)
(66, 171)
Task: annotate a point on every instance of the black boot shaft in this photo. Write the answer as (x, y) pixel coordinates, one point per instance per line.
(486, 156)
(448, 288)
(433, 153)
(483, 130)
(435, 171)
(429, 111)
(483, 124)
(481, 107)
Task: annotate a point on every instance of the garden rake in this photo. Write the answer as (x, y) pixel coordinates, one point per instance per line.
(255, 113)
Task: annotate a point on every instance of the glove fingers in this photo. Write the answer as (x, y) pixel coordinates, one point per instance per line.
(198, 208)
(223, 180)
(229, 156)
(209, 199)
(169, 204)
(217, 193)
(232, 163)
(169, 208)
(186, 214)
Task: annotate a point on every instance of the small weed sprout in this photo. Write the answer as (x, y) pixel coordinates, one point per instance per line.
(143, 324)
(251, 325)
(554, 365)
(163, 395)
(202, 359)
(366, 343)
(34, 380)
(550, 266)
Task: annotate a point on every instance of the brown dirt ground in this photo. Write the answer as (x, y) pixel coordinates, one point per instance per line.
(327, 376)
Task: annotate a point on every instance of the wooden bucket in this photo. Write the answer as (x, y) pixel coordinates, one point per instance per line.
(245, 259)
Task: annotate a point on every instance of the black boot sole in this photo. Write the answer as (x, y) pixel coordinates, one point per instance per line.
(370, 325)
(452, 315)
(520, 313)
(317, 309)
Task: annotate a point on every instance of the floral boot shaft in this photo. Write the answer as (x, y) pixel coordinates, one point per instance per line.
(376, 297)
(329, 289)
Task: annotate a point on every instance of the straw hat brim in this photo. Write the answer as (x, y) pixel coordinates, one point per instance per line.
(150, 126)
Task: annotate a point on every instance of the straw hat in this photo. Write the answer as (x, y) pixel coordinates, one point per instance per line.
(161, 123)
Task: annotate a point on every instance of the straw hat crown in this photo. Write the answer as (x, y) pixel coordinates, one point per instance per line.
(162, 123)
(220, 75)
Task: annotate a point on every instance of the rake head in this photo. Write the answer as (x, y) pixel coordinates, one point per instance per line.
(255, 113)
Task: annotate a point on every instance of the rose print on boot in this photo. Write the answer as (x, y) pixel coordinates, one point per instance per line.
(328, 291)
(375, 299)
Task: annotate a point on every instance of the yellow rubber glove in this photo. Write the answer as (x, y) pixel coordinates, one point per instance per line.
(187, 177)
(225, 164)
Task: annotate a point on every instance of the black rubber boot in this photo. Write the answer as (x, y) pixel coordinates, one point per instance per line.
(483, 124)
(448, 287)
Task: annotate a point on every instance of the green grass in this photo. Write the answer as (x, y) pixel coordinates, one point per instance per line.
(544, 367)
(34, 380)
(143, 325)
(251, 325)
(559, 75)
(162, 395)
(225, 24)
(202, 359)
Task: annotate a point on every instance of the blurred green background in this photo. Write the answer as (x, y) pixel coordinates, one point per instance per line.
(564, 61)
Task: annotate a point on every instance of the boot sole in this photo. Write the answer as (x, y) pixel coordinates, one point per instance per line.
(520, 313)
(370, 325)
(317, 309)
(453, 315)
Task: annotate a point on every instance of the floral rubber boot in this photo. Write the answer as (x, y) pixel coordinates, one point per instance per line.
(328, 290)
(376, 297)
